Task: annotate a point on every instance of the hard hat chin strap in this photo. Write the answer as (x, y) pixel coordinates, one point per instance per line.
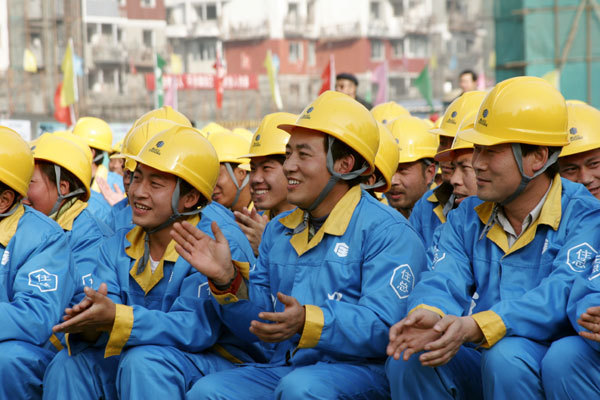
(61, 197)
(380, 182)
(235, 182)
(335, 178)
(11, 211)
(174, 216)
(99, 157)
(525, 179)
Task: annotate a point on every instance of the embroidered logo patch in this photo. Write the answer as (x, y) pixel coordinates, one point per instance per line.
(578, 256)
(437, 256)
(336, 296)
(87, 280)
(595, 268)
(43, 280)
(203, 290)
(403, 281)
(341, 249)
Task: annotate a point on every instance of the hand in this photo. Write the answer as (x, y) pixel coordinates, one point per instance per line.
(286, 324)
(83, 304)
(111, 196)
(456, 331)
(253, 225)
(210, 257)
(412, 333)
(590, 320)
(99, 316)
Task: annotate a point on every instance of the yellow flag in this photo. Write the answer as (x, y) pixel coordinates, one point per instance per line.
(67, 94)
(553, 78)
(272, 74)
(492, 60)
(176, 64)
(433, 62)
(29, 61)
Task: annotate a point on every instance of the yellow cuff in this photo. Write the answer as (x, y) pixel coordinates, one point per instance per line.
(67, 343)
(121, 331)
(429, 308)
(243, 267)
(491, 325)
(56, 343)
(226, 298)
(313, 326)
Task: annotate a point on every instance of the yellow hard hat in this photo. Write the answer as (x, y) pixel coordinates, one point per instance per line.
(82, 143)
(16, 161)
(414, 139)
(164, 112)
(525, 110)
(575, 101)
(185, 153)
(117, 147)
(584, 129)
(230, 148)
(245, 133)
(340, 116)
(139, 137)
(386, 159)
(458, 143)
(429, 122)
(95, 131)
(269, 139)
(457, 110)
(57, 149)
(212, 127)
(387, 112)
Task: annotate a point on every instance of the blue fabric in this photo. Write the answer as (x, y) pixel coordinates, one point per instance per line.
(528, 288)
(319, 381)
(120, 215)
(458, 379)
(99, 207)
(113, 178)
(585, 292)
(423, 219)
(22, 367)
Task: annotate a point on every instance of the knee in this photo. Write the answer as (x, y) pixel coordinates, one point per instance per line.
(208, 388)
(299, 385)
(17, 354)
(132, 358)
(565, 358)
(505, 359)
(402, 373)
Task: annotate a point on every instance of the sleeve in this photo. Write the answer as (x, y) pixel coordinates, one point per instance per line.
(85, 255)
(41, 289)
(415, 217)
(584, 294)
(389, 270)
(448, 286)
(191, 323)
(540, 313)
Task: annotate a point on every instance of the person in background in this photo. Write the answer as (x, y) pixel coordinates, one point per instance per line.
(467, 81)
(348, 84)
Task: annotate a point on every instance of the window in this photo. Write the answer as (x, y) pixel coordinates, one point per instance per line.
(376, 49)
(119, 35)
(418, 46)
(398, 48)
(312, 58)
(211, 12)
(199, 12)
(106, 30)
(148, 3)
(148, 38)
(375, 10)
(122, 3)
(295, 54)
(398, 7)
(91, 32)
(293, 10)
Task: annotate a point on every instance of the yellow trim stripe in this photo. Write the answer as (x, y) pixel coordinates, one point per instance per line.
(56, 343)
(491, 325)
(220, 350)
(429, 308)
(121, 331)
(313, 326)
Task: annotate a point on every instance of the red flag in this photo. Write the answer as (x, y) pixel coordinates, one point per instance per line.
(328, 76)
(219, 75)
(61, 114)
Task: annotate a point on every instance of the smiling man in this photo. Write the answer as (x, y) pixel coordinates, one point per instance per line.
(520, 250)
(580, 160)
(149, 330)
(331, 275)
(267, 178)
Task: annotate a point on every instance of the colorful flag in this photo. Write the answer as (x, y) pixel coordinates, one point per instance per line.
(380, 76)
(328, 76)
(553, 78)
(423, 83)
(132, 69)
(159, 91)
(29, 61)
(171, 97)
(176, 64)
(77, 65)
(219, 77)
(61, 113)
(433, 62)
(68, 94)
(272, 65)
(481, 85)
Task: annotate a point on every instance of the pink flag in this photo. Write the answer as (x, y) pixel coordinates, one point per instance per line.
(380, 76)
(171, 93)
(481, 81)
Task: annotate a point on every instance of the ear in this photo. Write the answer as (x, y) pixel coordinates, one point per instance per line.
(65, 188)
(538, 158)
(7, 199)
(345, 164)
(430, 172)
(190, 199)
(240, 174)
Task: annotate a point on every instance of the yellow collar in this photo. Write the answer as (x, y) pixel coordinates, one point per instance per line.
(8, 226)
(433, 198)
(550, 215)
(68, 216)
(336, 223)
(148, 279)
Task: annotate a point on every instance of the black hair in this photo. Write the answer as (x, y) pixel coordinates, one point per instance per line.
(348, 76)
(553, 169)
(47, 169)
(471, 72)
(185, 188)
(339, 150)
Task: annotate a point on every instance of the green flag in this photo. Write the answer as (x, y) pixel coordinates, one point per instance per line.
(159, 92)
(423, 83)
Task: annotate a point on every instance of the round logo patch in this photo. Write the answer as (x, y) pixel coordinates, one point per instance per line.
(454, 113)
(573, 130)
(160, 144)
(485, 113)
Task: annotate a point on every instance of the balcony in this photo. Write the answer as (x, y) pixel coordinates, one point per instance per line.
(244, 31)
(340, 32)
(142, 57)
(107, 53)
(378, 28)
(296, 26)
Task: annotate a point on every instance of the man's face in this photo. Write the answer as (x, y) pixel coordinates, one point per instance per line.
(116, 165)
(305, 167)
(467, 83)
(583, 168)
(496, 170)
(150, 194)
(42, 193)
(268, 183)
(445, 166)
(225, 188)
(409, 183)
(463, 177)
(346, 86)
